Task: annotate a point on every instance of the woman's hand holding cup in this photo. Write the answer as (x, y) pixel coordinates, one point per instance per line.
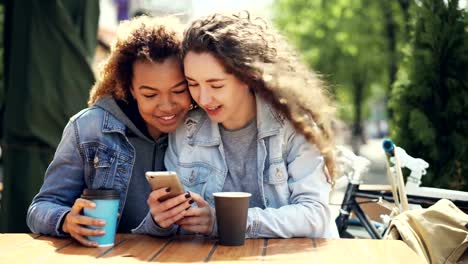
(75, 223)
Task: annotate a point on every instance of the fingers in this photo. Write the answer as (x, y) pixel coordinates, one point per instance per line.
(81, 203)
(153, 199)
(168, 217)
(85, 241)
(203, 229)
(86, 220)
(198, 220)
(157, 194)
(199, 200)
(75, 223)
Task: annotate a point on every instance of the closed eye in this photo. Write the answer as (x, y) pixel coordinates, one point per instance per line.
(181, 91)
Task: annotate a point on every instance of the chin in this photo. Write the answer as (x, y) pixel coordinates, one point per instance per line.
(168, 129)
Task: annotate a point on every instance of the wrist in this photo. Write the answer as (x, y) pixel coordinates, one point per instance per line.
(63, 227)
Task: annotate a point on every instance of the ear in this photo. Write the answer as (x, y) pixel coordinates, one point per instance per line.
(132, 91)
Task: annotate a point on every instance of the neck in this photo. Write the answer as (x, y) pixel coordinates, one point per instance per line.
(246, 112)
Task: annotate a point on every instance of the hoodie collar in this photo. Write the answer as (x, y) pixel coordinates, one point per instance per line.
(115, 120)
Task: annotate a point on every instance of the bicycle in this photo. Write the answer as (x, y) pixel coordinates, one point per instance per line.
(397, 198)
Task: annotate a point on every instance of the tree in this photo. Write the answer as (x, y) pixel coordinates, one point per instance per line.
(346, 41)
(430, 98)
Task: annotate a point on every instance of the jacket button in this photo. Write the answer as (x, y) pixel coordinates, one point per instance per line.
(96, 160)
(279, 173)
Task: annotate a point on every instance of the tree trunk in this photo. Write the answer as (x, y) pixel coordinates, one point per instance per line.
(404, 5)
(390, 29)
(357, 133)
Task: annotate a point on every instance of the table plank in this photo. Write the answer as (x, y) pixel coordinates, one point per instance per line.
(185, 249)
(251, 251)
(34, 250)
(135, 248)
(77, 253)
(359, 250)
(295, 250)
(12, 240)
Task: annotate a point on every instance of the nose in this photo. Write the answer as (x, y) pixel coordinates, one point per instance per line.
(166, 104)
(205, 96)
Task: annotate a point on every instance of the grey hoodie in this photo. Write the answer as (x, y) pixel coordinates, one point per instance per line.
(149, 156)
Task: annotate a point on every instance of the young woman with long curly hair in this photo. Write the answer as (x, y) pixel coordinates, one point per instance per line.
(263, 126)
(140, 96)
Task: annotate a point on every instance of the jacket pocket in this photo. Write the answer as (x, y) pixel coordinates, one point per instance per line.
(102, 163)
(194, 177)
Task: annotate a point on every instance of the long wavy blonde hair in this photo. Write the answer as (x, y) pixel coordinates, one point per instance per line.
(144, 39)
(257, 55)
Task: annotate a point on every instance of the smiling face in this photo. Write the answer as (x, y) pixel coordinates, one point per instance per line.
(160, 90)
(225, 98)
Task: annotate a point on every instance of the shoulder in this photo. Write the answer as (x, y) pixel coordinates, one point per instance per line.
(192, 122)
(89, 115)
(94, 121)
(191, 125)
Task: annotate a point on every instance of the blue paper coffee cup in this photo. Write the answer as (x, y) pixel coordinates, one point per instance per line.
(107, 206)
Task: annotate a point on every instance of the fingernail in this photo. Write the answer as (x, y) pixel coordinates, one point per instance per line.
(102, 222)
(168, 189)
(187, 195)
(190, 202)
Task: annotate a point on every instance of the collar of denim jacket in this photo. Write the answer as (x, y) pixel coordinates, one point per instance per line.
(202, 132)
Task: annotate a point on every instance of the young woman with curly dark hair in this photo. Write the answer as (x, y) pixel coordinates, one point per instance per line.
(263, 127)
(140, 96)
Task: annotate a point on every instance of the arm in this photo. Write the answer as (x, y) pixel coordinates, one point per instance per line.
(63, 184)
(307, 214)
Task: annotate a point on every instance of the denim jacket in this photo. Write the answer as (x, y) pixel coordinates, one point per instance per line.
(94, 152)
(291, 177)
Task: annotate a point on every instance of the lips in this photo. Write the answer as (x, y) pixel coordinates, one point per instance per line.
(213, 110)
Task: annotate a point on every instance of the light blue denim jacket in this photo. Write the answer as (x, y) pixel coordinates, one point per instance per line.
(291, 176)
(94, 153)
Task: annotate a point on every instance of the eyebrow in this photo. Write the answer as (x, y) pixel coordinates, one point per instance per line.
(153, 88)
(209, 80)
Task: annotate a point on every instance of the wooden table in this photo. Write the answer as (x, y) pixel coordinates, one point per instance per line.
(31, 248)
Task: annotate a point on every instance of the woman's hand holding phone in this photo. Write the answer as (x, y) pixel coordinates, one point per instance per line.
(167, 212)
(167, 202)
(199, 219)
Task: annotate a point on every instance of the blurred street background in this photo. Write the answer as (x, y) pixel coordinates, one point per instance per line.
(395, 68)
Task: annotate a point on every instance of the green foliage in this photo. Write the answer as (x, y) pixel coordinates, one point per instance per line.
(430, 98)
(343, 40)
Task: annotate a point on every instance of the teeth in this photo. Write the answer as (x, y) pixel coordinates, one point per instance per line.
(168, 117)
(213, 108)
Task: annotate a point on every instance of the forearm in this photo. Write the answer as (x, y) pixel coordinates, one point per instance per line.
(295, 220)
(148, 226)
(45, 218)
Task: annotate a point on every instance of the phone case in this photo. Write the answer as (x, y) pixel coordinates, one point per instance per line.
(164, 179)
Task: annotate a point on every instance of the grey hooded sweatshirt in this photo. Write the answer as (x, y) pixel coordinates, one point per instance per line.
(149, 156)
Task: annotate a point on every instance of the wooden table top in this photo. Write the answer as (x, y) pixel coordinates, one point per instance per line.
(32, 248)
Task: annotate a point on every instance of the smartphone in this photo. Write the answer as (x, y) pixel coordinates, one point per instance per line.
(165, 179)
